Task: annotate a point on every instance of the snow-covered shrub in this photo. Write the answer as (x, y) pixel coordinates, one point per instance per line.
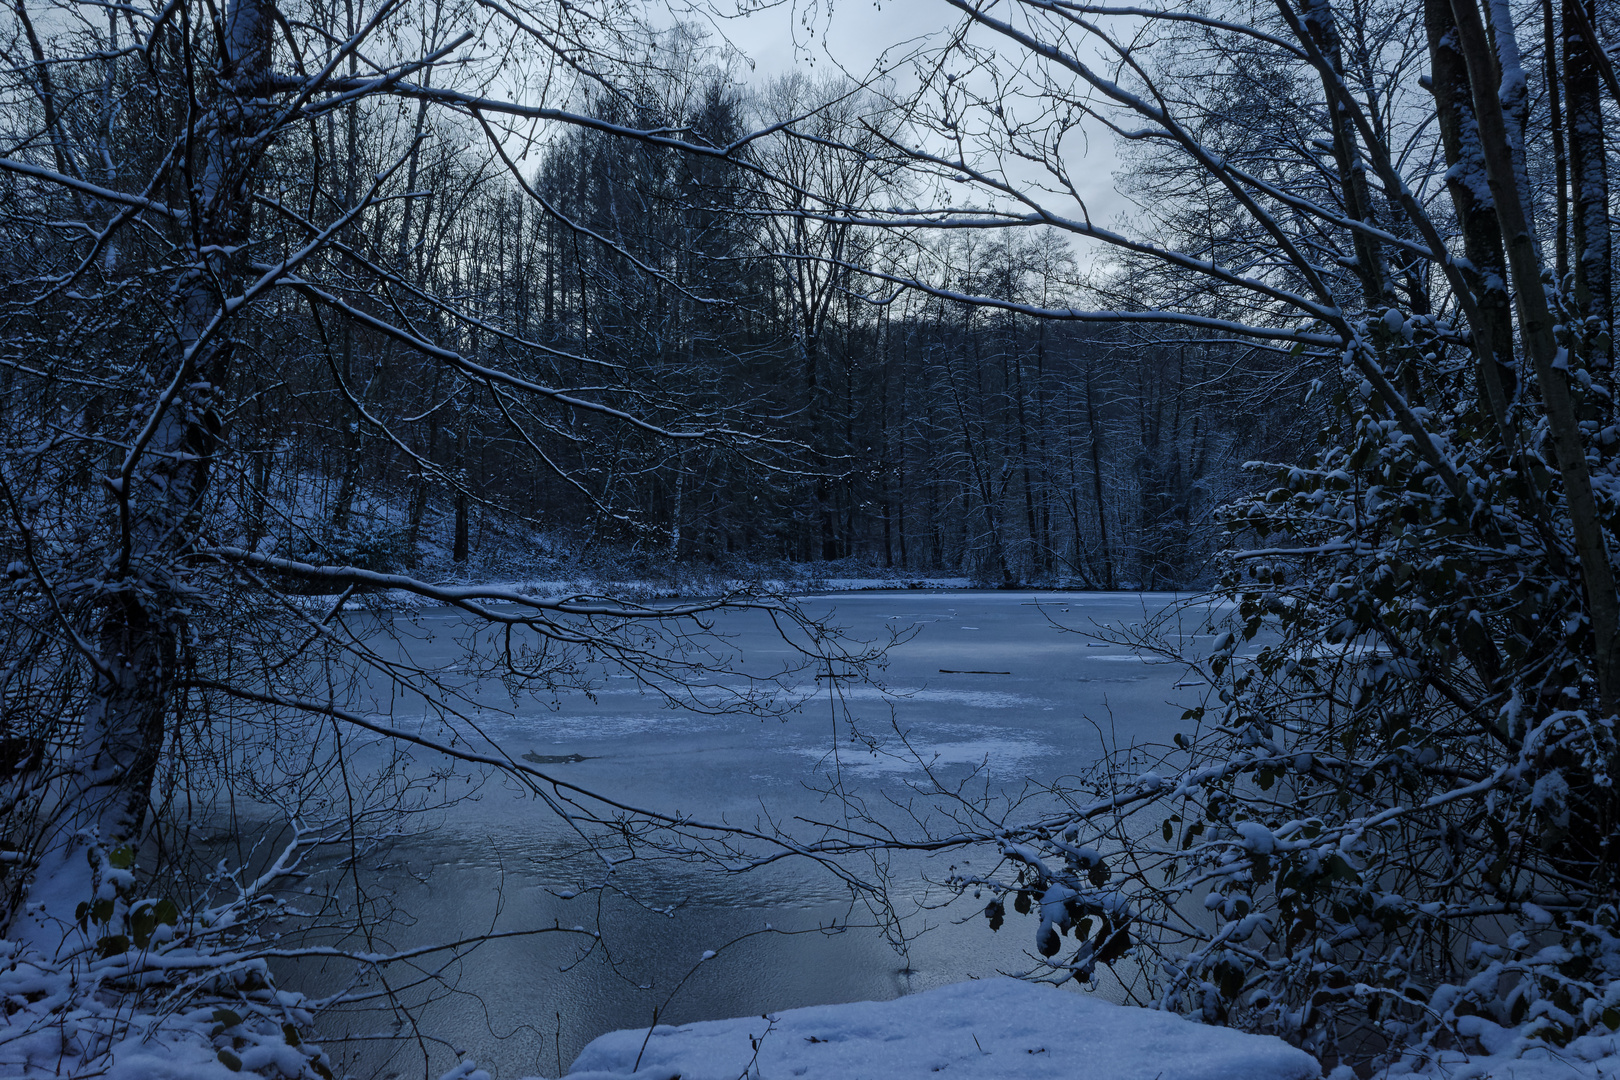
(1395, 810)
(1393, 822)
(143, 986)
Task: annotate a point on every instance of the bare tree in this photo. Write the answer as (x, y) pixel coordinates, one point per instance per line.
(1400, 760)
(228, 231)
(819, 168)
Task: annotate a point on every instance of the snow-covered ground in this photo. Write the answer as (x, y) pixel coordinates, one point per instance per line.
(997, 1029)
(993, 1029)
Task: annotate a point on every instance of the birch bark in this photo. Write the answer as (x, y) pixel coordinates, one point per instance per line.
(1509, 187)
(158, 490)
(1589, 178)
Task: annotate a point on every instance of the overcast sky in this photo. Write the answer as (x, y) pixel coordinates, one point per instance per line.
(856, 36)
(851, 33)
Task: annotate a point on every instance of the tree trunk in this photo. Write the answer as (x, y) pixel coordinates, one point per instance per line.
(1485, 266)
(1347, 156)
(458, 549)
(158, 490)
(678, 510)
(1590, 176)
(1097, 482)
(1555, 111)
(1509, 187)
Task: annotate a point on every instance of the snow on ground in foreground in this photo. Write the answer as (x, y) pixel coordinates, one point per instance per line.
(1511, 1055)
(994, 1029)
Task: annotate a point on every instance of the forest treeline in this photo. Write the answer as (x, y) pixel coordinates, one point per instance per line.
(825, 414)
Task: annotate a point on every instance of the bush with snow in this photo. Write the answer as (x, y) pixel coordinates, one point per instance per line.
(1390, 831)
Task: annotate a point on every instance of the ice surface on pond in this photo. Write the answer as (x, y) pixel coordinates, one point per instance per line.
(1001, 757)
(498, 859)
(994, 1029)
(973, 699)
(806, 693)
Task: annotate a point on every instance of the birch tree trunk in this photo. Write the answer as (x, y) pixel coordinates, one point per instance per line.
(1485, 269)
(1589, 176)
(1509, 187)
(158, 491)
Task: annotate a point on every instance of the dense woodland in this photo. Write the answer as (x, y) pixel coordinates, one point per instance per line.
(833, 415)
(301, 302)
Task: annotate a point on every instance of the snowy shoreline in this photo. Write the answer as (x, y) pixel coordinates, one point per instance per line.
(996, 1029)
(991, 1029)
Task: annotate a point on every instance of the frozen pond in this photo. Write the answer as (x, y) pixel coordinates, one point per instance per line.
(988, 688)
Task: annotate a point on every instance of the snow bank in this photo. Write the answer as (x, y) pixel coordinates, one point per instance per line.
(1511, 1055)
(994, 1029)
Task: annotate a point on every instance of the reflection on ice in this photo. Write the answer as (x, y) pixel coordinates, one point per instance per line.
(999, 757)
